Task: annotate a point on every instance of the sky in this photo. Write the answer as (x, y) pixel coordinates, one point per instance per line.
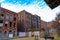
(38, 7)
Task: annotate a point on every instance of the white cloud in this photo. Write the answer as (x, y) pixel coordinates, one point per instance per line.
(46, 13)
(2, 0)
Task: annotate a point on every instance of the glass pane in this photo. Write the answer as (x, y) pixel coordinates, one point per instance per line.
(7, 17)
(11, 18)
(2, 16)
(1, 24)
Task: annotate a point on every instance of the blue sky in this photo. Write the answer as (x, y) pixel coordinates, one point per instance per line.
(38, 7)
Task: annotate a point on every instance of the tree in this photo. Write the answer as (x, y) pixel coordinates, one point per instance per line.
(58, 16)
(56, 24)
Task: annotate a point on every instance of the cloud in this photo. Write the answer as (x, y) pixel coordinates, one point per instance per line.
(46, 13)
(1, 1)
(35, 7)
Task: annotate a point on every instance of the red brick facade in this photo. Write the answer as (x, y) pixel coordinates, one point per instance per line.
(25, 20)
(8, 21)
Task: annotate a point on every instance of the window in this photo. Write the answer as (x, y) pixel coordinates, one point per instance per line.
(14, 24)
(0, 31)
(5, 25)
(7, 17)
(10, 24)
(11, 18)
(1, 23)
(14, 19)
(2, 16)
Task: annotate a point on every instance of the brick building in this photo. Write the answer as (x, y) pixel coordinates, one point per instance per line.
(43, 24)
(56, 24)
(36, 23)
(8, 23)
(24, 21)
(47, 26)
(28, 22)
